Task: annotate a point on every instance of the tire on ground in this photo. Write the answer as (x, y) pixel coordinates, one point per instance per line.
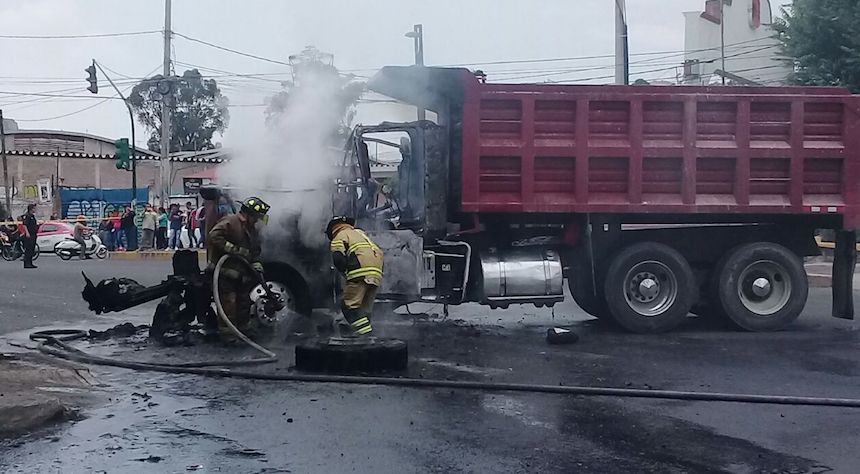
(649, 288)
(377, 356)
(762, 286)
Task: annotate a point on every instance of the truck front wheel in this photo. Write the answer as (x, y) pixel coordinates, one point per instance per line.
(649, 288)
(762, 286)
(581, 290)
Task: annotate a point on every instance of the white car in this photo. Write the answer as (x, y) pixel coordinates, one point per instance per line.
(52, 233)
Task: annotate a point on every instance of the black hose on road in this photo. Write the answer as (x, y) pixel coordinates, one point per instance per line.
(50, 341)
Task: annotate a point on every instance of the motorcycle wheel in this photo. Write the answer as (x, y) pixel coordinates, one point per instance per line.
(36, 253)
(102, 253)
(6, 253)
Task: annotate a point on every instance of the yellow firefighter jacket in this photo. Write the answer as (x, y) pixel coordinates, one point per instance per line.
(356, 255)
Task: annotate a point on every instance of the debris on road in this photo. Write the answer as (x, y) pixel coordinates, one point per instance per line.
(561, 336)
(33, 392)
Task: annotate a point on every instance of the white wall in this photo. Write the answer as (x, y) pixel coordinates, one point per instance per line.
(755, 59)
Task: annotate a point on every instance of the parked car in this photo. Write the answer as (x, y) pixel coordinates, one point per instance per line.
(52, 233)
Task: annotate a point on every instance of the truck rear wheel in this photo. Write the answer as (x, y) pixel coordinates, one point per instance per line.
(762, 286)
(649, 288)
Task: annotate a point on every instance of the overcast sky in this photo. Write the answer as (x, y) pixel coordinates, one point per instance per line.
(363, 36)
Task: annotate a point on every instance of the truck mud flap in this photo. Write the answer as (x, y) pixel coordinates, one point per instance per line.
(845, 259)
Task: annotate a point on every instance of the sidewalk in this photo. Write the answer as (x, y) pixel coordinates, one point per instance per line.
(37, 390)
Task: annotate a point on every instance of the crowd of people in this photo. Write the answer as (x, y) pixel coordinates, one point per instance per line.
(161, 229)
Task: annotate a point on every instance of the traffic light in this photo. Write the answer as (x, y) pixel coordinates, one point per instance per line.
(123, 154)
(92, 79)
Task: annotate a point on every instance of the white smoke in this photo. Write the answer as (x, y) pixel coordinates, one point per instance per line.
(293, 155)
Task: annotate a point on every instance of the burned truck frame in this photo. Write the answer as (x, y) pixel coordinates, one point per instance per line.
(652, 202)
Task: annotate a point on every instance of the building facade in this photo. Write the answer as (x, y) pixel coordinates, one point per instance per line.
(40, 162)
(751, 51)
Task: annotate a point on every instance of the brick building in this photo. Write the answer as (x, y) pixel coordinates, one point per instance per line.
(41, 161)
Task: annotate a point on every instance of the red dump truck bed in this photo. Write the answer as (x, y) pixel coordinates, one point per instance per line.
(659, 149)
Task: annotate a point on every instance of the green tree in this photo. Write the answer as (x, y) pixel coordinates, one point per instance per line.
(820, 38)
(199, 110)
(316, 81)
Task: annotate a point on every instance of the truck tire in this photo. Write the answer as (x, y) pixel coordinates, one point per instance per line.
(583, 295)
(345, 357)
(298, 295)
(649, 288)
(762, 286)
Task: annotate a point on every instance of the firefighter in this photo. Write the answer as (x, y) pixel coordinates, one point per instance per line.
(360, 262)
(238, 234)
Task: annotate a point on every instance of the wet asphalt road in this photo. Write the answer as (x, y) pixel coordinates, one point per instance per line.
(149, 422)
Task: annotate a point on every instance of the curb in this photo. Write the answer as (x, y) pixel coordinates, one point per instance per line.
(818, 280)
(165, 255)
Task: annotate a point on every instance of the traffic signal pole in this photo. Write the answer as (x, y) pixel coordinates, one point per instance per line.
(166, 165)
(131, 119)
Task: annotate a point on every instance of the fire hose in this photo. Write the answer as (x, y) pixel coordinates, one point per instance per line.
(59, 339)
(270, 356)
(56, 343)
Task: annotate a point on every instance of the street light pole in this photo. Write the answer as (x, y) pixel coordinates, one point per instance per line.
(165, 165)
(417, 34)
(723, 39)
(622, 54)
(5, 170)
(131, 120)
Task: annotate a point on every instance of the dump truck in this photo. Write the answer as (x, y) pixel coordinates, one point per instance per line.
(648, 202)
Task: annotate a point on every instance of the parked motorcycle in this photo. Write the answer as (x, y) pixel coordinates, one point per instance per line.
(11, 251)
(70, 248)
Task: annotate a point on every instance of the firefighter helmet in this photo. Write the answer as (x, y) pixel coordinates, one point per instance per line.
(256, 207)
(335, 221)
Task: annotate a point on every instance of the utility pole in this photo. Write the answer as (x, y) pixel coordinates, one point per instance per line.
(5, 166)
(622, 54)
(417, 34)
(131, 119)
(165, 165)
(723, 39)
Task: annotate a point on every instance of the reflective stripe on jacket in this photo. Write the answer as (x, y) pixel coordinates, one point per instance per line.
(363, 257)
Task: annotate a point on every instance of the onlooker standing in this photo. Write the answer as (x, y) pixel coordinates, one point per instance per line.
(30, 230)
(119, 233)
(175, 218)
(106, 233)
(149, 223)
(129, 228)
(161, 233)
(191, 224)
(200, 222)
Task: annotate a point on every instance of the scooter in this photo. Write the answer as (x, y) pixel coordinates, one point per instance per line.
(69, 248)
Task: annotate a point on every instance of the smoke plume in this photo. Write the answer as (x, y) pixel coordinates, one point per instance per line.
(292, 164)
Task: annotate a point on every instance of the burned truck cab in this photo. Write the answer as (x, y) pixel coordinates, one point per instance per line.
(435, 252)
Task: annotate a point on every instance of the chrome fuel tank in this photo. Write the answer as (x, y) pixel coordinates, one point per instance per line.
(525, 275)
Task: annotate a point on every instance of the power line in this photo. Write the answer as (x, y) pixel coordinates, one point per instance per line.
(68, 114)
(230, 74)
(604, 56)
(96, 35)
(106, 99)
(224, 48)
(672, 66)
